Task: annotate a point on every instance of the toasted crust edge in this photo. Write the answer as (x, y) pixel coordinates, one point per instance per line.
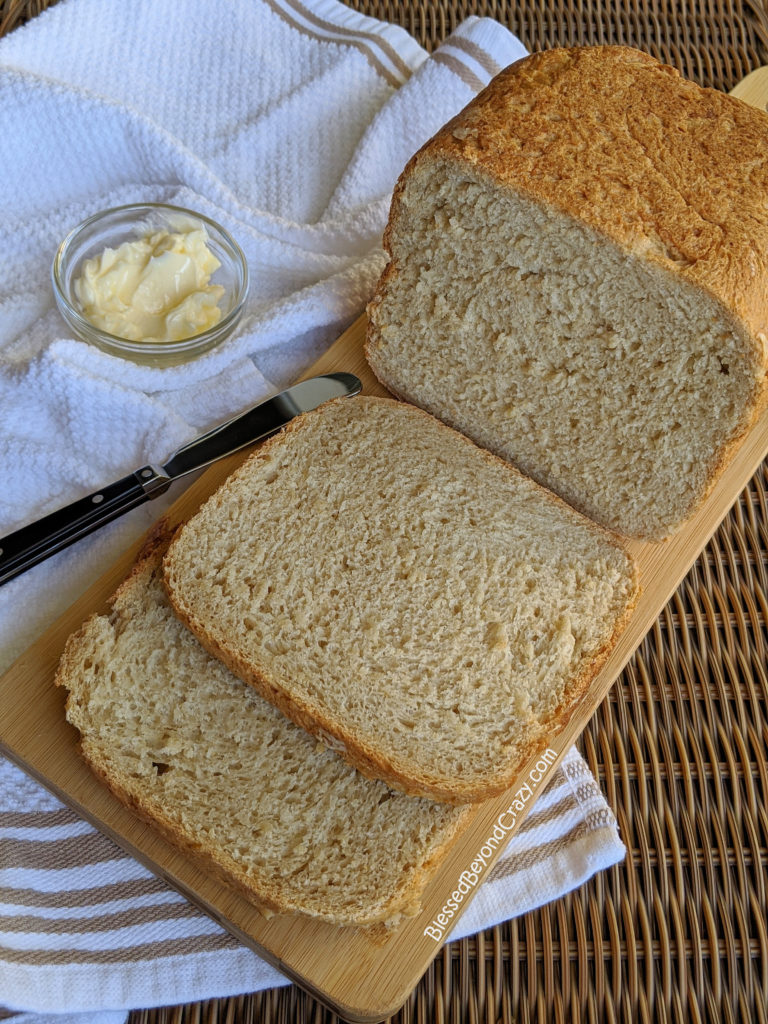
(404, 775)
(443, 143)
(266, 899)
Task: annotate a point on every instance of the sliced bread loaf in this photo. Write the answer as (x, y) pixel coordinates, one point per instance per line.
(226, 776)
(411, 599)
(578, 280)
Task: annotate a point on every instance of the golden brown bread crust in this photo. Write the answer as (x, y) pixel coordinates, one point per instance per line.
(406, 777)
(259, 891)
(265, 898)
(653, 163)
(155, 544)
(613, 138)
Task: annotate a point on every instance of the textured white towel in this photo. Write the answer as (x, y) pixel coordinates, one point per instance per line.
(83, 926)
(287, 121)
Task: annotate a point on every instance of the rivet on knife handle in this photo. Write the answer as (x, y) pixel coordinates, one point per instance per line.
(34, 543)
(37, 541)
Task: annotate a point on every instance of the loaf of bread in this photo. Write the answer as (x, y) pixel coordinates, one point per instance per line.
(414, 601)
(578, 280)
(224, 775)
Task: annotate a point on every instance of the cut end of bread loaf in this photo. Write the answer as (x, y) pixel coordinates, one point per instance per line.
(578, 277)
(415, 602)
(229, 779)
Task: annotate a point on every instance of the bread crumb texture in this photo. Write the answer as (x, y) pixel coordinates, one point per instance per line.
(579, 281)
(225, 775)
(400, 591)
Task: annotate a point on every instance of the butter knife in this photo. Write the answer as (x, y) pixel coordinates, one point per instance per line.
(34, 543)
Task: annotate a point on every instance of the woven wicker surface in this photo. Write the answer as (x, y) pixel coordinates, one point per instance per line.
(679, 931)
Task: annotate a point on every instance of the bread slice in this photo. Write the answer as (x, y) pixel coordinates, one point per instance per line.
(224, 775)
(409, 598)
(578, 280)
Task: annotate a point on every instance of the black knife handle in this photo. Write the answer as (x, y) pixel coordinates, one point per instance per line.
(31, 544)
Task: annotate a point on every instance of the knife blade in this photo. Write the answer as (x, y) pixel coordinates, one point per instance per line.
(34, 543)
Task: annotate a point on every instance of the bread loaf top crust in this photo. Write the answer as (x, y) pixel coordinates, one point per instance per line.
(656, 163)
(578, 281)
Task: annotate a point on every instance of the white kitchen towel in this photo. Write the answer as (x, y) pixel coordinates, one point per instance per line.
(285, 121)
(84, 927)
(288, 122)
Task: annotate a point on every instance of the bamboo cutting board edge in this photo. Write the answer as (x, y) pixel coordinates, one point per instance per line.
(358, 975)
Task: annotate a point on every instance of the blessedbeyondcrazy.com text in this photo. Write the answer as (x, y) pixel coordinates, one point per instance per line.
(502, 828)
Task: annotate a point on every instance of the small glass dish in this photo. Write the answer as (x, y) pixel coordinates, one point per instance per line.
(109, 229)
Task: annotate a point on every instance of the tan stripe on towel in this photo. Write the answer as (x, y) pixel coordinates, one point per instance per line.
(39, 819)
(459, 68)
(576, 769)
(121, 955)
(341, 30)
(64, 898)
(73, 852)
(565, 805)
(535, 854)
(367, 52)
(100, 923)
(483, 58)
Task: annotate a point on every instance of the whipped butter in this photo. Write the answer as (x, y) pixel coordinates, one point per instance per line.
(156, 288)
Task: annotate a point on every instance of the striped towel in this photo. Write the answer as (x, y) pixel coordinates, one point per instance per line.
(288, 122)
(83, 926)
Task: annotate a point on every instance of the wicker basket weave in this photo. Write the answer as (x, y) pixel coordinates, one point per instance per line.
(679, 931)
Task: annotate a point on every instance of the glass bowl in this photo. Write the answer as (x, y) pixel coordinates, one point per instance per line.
(127, 223)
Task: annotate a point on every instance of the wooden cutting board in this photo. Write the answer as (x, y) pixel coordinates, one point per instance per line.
(355, 973)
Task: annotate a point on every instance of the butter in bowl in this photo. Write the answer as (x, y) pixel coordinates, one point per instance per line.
(153, 283)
